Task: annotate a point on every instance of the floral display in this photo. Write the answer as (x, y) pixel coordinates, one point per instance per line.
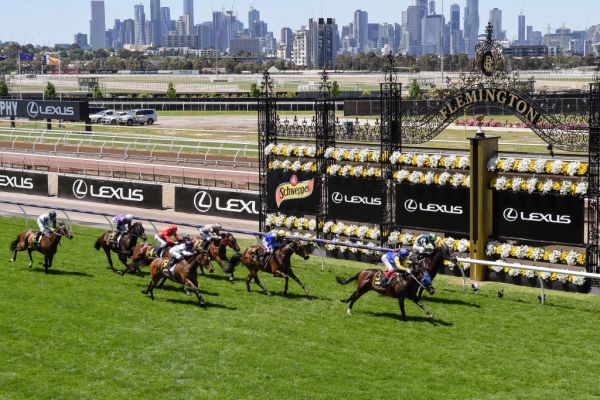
(356, 155)
(353, 250)
(538, 166)
(295, 166)
(396, 238)
(361, 232)
(546, 276)
(357, 171)
(291, 222)
(540, 185)
(506, 250)
(290, 150)
(429, 178)
(449, 161)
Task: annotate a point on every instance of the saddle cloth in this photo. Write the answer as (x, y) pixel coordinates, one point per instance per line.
(381, 278)
(154, 252)
(115, 239)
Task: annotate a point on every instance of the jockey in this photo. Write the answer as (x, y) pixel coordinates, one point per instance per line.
(272, 241)
(177, 253)
(425, 243)
(43, 222)
(123, 222)
(210, 232)
(164, 237)
(393, 262)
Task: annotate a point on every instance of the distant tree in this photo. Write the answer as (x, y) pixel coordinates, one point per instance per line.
(50, 91)
(291, 94)
(96, 92)
(367, 93)
(335, 89)
(3, 89)
(414, 91)
(171, 92)
(254, 90)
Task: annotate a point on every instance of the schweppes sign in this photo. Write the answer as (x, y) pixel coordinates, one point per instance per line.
(294, 190)
(503, 97)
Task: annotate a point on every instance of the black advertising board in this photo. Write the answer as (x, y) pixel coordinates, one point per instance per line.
(23, 182)
(355, 199)
(221, 203)
(37, 109)
(539, 217)
(433, 207)
(293, 192)
(131, 194)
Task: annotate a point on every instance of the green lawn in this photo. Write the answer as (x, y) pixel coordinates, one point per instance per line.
(83, 332)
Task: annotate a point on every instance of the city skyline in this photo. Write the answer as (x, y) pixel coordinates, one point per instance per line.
(277, 15)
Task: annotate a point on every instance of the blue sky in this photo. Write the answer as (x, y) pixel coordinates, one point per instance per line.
(55, 21)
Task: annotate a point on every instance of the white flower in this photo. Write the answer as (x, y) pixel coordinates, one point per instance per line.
(286, 165)
(289, 222)
(371, 172)
(395, 157)
(565, 187)
(280, 220)
(312, 225)
(354, 249)
(464, 162)
(307, 167)
(358, 171)
(545, 275)
(363, 156)
(538, 254)
(572, 168)
(556, 167)
(581, 188)
(444, 178)
(434, 160)
(497, 269)
(521, 252)
(338, 228)
(296, 166)
(562, 278)
(429, 177)
(466, 266)
(516, 184)
(505, 250)
(407, 239)
(345, 170)
(491, 165)
(513, 272)
(270, 219)
(523, 166)
(362, 232)
(539, 166)
(376, 154)
(415, 177)
(352, 154)
(334, 169)
(555, 256)
(547, 186)
(330, 247)
(329, 152)
(508, 164)
(579, 280)
(530, 274)
(449, 161)
(269, 149)
(501, 183)
(327, 227)
(458, 179)
(350, 230)
(394, 238)
(448, 242)
(375, 233)
(402, 175)
(311, 151)
(490, 249)
(338, 154)
(421, 160)
(572, 258)
(532, 185)
(276, 164)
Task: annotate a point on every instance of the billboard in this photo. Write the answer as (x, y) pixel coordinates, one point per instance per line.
(294, 192)
(221, 203)
(23, 182)
(356, 199)
(37, 109)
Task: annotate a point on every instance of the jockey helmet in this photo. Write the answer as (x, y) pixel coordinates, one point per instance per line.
(173, 228)
(129, 217)
(433, 237)
(189, 245)
(403, 253)
(52, 214)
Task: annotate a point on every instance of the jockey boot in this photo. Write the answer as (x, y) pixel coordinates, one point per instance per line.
(38, 238)
(168, 269)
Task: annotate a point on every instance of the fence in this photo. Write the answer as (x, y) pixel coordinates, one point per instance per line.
(316, 242)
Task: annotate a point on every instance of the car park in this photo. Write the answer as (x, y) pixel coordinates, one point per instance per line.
(112, 119)
(97, 117)
(140, 116)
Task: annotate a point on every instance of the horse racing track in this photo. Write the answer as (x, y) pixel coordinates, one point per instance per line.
(84, 332)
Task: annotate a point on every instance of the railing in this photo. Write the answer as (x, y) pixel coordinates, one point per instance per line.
(316, 242)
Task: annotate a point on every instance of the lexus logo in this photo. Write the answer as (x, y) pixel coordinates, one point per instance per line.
(411, 205)
(80, 188)
(337, 197)
(203, 202)
(33, 110)
(511, 215)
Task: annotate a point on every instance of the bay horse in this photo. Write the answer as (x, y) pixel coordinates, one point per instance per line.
(123, 248)
(217, 251)
(399, 288)
(48, 246)
(185, 273)
(278, 264)
(143, 253)
(436, 262)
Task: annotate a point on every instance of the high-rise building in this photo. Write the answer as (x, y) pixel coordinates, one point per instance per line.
(155, 18)
(496, 21)
(414, 15)
(287, 41)
(173, 40)
(140, 24)
(360, 26)
(149, 32)
(521, 40)
(165, 20)
(456, 40)
(471, 26)
(323, 42)
(432, 31)
(81, 40)
(422, 4)
(188, 16)
(219, 34)
(529, 38)
(205, 31)
(455, 17)
(301, 48)
(253, 16)
(432, 7)
(97, 25)
(128, 31)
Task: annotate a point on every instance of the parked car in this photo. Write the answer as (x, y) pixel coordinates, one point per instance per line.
(95, 118)
(142, 117)
(112, 119)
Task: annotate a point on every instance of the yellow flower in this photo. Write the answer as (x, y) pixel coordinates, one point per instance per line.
(413, 161)
(313, 168)
(548, 167)
(583, 168)
(506, 270)
(500, 165)
(328, 169)
(516, 165)
(581, 259)
(270, 164)
(378, 173)
(554, 276)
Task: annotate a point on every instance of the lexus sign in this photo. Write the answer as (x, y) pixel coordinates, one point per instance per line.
(220, 203)
(34, 109)
(23, 182)
(355, 199)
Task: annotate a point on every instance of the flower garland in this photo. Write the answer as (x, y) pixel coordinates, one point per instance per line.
(361, 232)
(406, 239)
(354, 170)
(506, 250)
(353, 250)
(290, 150)
(284, 221)
(356, 155)
(543, 186)
(546, 276)
(538, 166)
(451, 161)
(443, 179)
(295, 166)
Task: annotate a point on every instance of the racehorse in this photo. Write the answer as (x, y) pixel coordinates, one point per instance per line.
(48, 246)
(218, 252)
(400, 288)
(278, 264)
(143, 253)
(123, 248)
(436, 262)
(185, 273)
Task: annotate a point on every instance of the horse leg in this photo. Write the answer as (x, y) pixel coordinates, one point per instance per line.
(285, 290)
(201, 301)
(402, 311)
(418, 302)
(46, 263)
(152, 285)
(50, 260)
(29, 251)
(110, 263)
(162, 284)
(123, 260)
(355, 296)
(420, 293)
(297, 280)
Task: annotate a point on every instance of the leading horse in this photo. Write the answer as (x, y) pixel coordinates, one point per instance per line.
(217, 250)
(48, 246)
(123, 248)
(436, 262)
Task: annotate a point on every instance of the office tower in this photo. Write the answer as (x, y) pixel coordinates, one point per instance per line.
(219, 35)
(253, 16)
(496, 21)
(432, 31)
(180, 26)
(432, 7)
(521, 40)
(165, 20)
(323, 42)
(206, 35)
(422, 4)
(140, 24)
(301, 48)
(129, 31)
(155, 18)
(455, 17)
(360, 26)
(97, 25)
(471, 26)
(118, 35)
(414, 14)
(529, 38)
(287, 41)
(149, 32)
(188, 16)
(81, 40)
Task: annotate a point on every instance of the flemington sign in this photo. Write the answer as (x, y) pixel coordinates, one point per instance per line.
(34, 109)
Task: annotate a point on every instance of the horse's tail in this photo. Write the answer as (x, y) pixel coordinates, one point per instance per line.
(234, 261)
(342, 281)
(14, 243)
(98, 245)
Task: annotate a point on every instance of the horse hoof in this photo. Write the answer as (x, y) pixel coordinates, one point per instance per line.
(430, 316)
(305, 291)
(11, 260)
(267, 293)
(349, 312)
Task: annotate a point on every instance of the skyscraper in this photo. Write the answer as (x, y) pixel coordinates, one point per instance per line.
(414, 15)
(97, 25)
(140, 24)
(496, 21)
(529, 35)
(471, 26)
(455, 17)
(155, 19)
(188, 16)
(361, 26)
(431, 33)
(521, 39)
(287, 40)
(129, 31)
(165, 20)
(323, 42)
(253, 16)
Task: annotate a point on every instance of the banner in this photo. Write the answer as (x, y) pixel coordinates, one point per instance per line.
(293, 192)
(52, 60)
(131, 194)
(34, 109)
(25, 56)
(355, 199)
(23, 182)
(431, 207)
(539, 217)
(218, 203)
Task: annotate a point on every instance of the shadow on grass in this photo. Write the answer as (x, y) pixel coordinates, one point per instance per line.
(60, 272)
(409, 318)
(178, 288)
(301, 296)
(194, 302)
(441, 300)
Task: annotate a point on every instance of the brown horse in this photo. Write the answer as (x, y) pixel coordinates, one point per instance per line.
(185, 273)
(278, 264)
(436, 263)
(217, 249)
(400, 288)
(48, 246)
(123, 248)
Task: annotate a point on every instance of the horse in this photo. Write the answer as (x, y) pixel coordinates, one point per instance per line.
(278, 264)
(436, 262)
(48, 246)
(143, 253)
(123, 248)
(218, 252)
(185, 273)
(400, 288)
